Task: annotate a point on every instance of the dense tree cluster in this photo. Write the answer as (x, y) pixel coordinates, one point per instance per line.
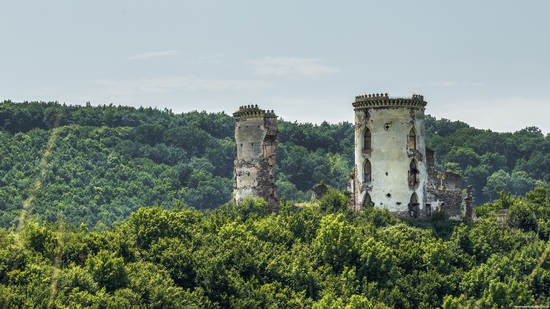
(118, 207)
(107, 161)
(492, 162)
(114, 151)
(318, 256)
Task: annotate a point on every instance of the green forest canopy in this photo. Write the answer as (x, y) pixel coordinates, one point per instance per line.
(85, 173)
(107, 161)
(314, 257)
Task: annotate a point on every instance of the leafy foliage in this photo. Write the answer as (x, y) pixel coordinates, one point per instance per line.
(150, 183)
(108, 161)
(490, 161)
(301, 257)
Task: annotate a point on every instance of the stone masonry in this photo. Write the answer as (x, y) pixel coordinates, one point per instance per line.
(256, 141)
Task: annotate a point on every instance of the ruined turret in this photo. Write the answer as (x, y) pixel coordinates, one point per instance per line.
(256, 143)
(393, 169)
(390, 154)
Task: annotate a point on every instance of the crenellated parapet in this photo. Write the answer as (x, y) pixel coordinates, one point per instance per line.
(382, 100)
(251, 111)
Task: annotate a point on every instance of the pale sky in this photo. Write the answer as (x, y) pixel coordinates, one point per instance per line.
(486, 63)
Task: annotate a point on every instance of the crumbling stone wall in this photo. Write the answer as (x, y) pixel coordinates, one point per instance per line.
(444, 190)
(256, 138)
(469, 204)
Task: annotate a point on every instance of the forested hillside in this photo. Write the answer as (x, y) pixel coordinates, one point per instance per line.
(118, 207)
(105, 162)
(492, 162)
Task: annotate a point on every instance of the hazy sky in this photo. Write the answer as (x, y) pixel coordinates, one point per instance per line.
(486, 63)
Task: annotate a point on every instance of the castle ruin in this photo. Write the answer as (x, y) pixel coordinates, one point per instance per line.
(256, 143)
(393, 169)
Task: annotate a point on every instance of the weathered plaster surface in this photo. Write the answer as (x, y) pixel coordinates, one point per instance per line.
(390, 121)
(256, 143)
(390, 156)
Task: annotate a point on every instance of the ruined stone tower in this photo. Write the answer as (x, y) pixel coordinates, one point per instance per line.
(390, 154)
(256, 143)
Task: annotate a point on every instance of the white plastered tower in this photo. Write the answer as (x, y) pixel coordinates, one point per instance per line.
(390, 155)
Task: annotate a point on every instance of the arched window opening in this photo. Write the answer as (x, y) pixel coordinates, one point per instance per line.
(367, 171)
(367, 201)
(412, 139)
(413, 174)
(414, 205)
(367, 140)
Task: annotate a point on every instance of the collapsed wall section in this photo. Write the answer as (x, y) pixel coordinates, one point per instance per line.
(443, 190)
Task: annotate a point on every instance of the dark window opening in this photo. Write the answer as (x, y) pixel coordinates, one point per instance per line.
(428, 209)
(412, 139)
(367, 171)
(413, 174)
(367, 201)
(367, 140)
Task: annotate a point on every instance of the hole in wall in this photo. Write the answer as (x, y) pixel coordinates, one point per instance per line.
(388, 195)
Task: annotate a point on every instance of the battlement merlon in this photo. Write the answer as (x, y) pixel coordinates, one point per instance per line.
(382, 100)
(252, 111)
